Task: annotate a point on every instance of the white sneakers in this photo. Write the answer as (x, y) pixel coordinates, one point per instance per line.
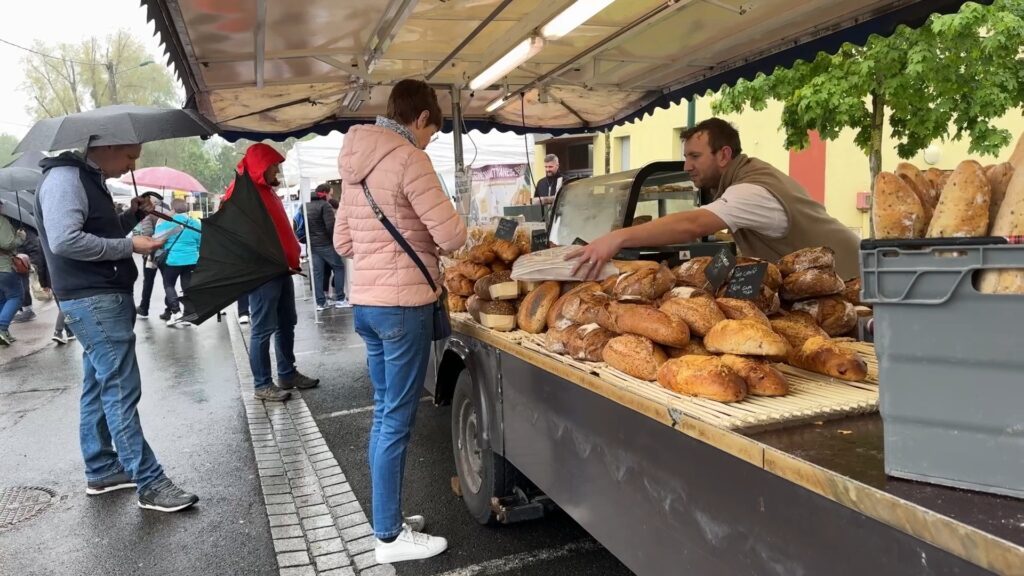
(243, 319)
(342, 304)
(174, 319)
(410, 545)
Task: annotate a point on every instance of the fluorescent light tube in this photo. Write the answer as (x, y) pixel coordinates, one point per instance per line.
(521, 53)
(572, 17)
(498, 103)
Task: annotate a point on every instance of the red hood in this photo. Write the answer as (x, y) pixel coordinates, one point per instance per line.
(257, 159)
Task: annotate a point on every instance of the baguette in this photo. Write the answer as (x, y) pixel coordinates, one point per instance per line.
(747, 338)
(963, 207)
(761, 377)
(648, 322)
(533, 311)
(701, 314)
(588, 342)
(896, 211)
(824, 356)
(703, 376)
(835, 315)
(736, 309)
(555, 313)
(635, 355)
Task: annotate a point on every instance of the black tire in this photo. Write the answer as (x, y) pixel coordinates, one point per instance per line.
(482, 473)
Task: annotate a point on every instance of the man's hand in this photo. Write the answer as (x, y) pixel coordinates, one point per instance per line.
(592, 258)
(146, 244)
(141, 205)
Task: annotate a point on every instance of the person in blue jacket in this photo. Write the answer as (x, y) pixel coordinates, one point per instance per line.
(182, 254)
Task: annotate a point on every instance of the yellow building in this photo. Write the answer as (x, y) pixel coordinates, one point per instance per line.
(845, 168)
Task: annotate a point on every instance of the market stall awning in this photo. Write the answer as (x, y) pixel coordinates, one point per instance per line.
(272, 69)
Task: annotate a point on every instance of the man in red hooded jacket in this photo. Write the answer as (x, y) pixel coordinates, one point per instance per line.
(273, 305)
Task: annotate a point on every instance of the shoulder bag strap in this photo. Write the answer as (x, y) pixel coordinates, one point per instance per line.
(398, 237)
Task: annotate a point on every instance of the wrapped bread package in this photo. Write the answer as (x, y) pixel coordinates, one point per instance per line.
(635, 355)
(500, 316)
(963, 207)
(896, 211)
(703, 376)
(551, 264)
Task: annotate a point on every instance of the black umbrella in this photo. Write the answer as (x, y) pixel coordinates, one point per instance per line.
(27, 160)
(112, 126)
(239, 252)
(19, 178)
(19, 206)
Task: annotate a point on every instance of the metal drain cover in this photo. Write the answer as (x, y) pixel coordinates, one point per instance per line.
(23, 502)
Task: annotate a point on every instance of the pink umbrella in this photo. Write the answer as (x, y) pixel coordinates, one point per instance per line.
(165, 178)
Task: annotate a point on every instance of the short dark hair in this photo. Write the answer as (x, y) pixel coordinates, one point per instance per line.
(720, 134)
(323, 190)
(409, 98)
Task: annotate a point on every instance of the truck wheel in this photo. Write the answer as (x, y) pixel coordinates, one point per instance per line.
(482, 473)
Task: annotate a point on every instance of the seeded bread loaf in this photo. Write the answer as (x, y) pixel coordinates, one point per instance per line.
(635, 355)
(963, 207)
(896, 211)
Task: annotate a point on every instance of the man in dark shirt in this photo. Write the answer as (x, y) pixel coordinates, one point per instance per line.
(320, 235)
(551, 183)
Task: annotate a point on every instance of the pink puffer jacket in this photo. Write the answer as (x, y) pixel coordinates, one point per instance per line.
(403, 183)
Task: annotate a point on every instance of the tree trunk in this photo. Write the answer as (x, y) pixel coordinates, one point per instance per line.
(877, 133)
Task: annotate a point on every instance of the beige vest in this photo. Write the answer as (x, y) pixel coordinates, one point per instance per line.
(809, 224)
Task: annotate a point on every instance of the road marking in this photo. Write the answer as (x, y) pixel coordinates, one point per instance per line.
(519, 561)
(357, 410)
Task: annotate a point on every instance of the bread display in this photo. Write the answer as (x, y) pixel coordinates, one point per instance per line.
(811, 283)
(824, 356)
(648, 322)
(700, 313)
(797, 328)
(497, 286)
(635, 355)
(500, 316)
(588, 342)
(746, 338)
(999, 177)
(761, 377)
(691, 273)
(556, 340)
(470, 270)
(587, 307)
(851, 293)
(772, 278)
(736, 309)
(455, 303)
(555, 313)
(481, 254)
(533, 311)
(833, 314)
(505, 250)
(896, 210)
(695, 347)
(920, 186)
(648, 283)
(807, 258)
(963, 207)
(703, 376)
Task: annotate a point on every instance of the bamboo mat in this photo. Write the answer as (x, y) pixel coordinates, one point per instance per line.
(812, 397)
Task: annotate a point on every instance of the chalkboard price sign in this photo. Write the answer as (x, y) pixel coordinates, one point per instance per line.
(718, 271)
(746, 281)
(506, 229)
(538, 240)
(579, 242)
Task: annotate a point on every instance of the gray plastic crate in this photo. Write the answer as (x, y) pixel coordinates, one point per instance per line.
(951, 366)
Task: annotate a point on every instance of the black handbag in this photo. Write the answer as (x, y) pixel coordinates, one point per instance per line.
(442, 322)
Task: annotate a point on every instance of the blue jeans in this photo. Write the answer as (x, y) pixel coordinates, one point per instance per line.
(10, 297)
(273, 314)
(397, 348)
(111, 389)
(322, 257)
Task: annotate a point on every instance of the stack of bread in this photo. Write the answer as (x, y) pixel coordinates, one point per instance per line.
(971, 201)
(478, 278)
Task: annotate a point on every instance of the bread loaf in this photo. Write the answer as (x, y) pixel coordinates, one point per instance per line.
(703, 376)
(999, 177)
(736, 309)
(1017, 157)
(746, 338)
(649, 323)
(963, 207)
(556, 339)
(691, 273)
(937, 178)
(588, 342)
(533, 311)
(497, 286)
(635, 355)
(896, 210)
(811, 283)
(648, 283)
(634, 265)
(695, 347)
(824, 356)
(555, 313)
(681, 292)
(761, 377)
(587, 307)
(772, 278)
(833, 314)
(769, 301)
(456, 303)
(920, 186)
(458, 284)
(852, 292)
(499, 266)
(797, 328)
(1009, 222)
(470, 270)
(608, 285)
(481, 254)
(807, 258)
(700, 313)
(473, 304)
(499, 316)
(507, 251)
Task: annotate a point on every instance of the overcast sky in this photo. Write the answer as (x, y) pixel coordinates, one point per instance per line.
(23, 22)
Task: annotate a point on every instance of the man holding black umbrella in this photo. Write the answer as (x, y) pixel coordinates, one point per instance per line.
(93, 274)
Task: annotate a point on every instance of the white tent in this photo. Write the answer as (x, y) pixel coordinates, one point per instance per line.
(317, 158)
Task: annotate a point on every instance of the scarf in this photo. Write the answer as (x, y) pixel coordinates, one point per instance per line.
(404, 132)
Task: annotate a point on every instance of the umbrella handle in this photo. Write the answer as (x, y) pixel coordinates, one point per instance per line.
(163, 216)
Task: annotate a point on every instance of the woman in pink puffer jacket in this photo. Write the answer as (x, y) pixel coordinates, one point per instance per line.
(393, 301)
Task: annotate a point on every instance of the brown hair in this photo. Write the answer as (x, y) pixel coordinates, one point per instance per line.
(409, 98)
(720, 134)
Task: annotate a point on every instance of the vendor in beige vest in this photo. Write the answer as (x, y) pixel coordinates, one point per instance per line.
(768, 213)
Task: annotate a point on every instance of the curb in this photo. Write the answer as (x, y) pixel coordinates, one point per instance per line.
(317, 525)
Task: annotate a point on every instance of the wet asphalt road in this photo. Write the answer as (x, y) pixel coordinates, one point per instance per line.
(335, 353)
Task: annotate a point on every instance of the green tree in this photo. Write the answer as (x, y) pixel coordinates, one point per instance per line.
(948, 79)
(7, 145)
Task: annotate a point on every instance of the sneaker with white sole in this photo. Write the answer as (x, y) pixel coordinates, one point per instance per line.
(322, 307)
(409, 545)
(175, 319)
(342, 304)
(119, 481)
(164, 496)
(243, 319)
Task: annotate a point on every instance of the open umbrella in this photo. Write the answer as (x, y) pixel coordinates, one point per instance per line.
(27, 160)
(239, 252)
(18, 178)
(164, 178)
(19, 206)
(112, 126)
